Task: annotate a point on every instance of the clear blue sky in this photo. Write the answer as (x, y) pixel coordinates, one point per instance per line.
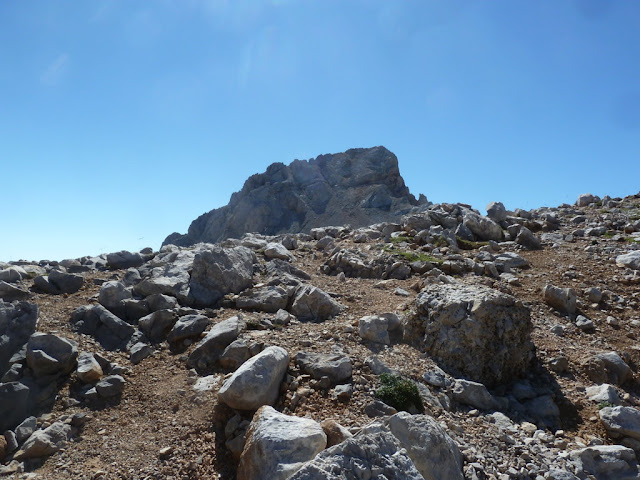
(122, 120)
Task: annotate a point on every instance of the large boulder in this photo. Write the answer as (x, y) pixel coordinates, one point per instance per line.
(277, 445)
(49, 354)
(65, 282)
(187, 327)
(168, 273)
(112, 296)
(482, 227)
(17, 323)
(359, 187)
(257, 381)
(312, 303)
(374, 449)
(473, 331)
(218, 271)
(207, 352)
(606, 462)
(157, 325)
(434, 453)
(608, 367)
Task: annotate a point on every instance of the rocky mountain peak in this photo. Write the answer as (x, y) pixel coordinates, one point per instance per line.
(359, 187)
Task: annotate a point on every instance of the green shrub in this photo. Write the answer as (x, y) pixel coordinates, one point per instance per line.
(400, 393)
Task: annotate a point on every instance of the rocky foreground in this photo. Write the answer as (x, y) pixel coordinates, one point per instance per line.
(443, 345)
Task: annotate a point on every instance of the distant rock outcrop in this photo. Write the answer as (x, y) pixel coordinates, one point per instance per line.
(359, 187)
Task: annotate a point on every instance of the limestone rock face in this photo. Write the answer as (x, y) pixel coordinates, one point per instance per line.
(307, 194)
(257, 381)
(473, 331)
(278, 445)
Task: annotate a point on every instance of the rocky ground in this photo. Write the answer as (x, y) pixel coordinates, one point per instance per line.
(518, 328)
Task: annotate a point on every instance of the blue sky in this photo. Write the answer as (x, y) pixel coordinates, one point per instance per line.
(121, 121)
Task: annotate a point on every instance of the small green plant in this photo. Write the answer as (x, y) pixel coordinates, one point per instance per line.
(605, 404)
(469, 245)
(412, 256)
(400, 239)
(400, 393)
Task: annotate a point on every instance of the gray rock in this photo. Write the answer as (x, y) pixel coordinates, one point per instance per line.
(159, 301)
(169, 273)
(11, 441)
(473, 332)
(14, 398)
(218, 271)
(124, 259)
(358, 187)
(606, 462)
(157, 325)
(496, 211)
(604, 393)
(277, 445)
(528, 240)
(110, 386)
(474, 394)
(335, 366)
(376, 328)
(257, 381)
(433, 452)
(311, 303)
(25, 429)
(505, 261)
(45, 442)
(207, 352)
(563, 299)
(585, 324)
(112, 296)
(11, 293)
(621, 421)
(13, 274)
(374, 449)
(112, 332)
(65, 282)
(189, 326)
(17, 323)
(482, 227)
(586, 199)
(594, 294)
(608, 367)
(543, 410)
(235, 355)
(49, 354)
(629, 260)
(139, 351)
(268, 299)
(277, 250)
(377, 408)
(89, 370)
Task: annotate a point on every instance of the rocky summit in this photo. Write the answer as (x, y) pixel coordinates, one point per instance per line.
(359, 187)
(438, 344)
